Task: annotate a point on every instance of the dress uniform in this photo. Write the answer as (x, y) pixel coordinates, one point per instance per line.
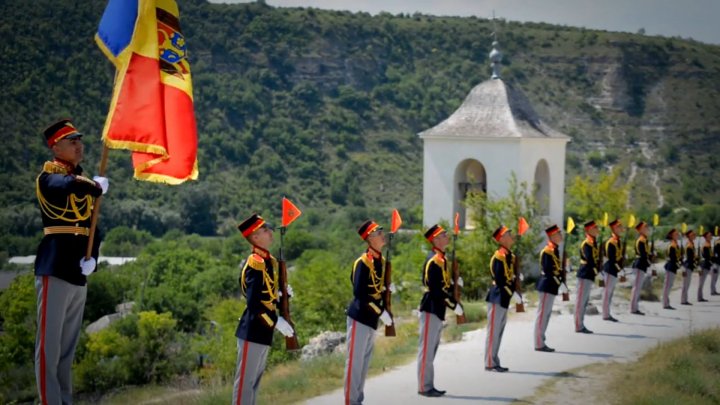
(498, 297)
(690, 263)
(640, 266)
(259, 285)
(716, 268)
(611, 268)
(589, 254)
(705, 265)
(438, 296)
(548, 285)
(364, 311)
(674, 262)
(66, 200)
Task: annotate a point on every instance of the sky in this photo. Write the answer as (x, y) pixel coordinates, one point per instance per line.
(697, 19)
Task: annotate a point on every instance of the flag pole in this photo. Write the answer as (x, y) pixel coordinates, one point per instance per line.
(96, 206)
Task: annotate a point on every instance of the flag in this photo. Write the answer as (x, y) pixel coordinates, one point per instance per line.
(289, 212)
(523, 226)
(656, 220)
(631, 221)
(456, 229)
(701, 230)
(151, 110)
(605, 220)
(716, 231)
(570, 225)
(395, 221)
(683, 228)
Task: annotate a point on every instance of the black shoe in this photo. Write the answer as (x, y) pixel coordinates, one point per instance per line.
(638, 312)
(441, 392)
(611, 319)
(430, 393)
(702, 300)
(584, 330)
(685, 303)
(545, 349)
(669, 307)
(714, 293)
(497, 368)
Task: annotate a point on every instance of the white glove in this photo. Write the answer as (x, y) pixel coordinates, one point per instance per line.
(458, 310)
(289, 291)
(103, 182)
(87, 266)
(460, 282)
(393, 289)
(386, 319)
(284, 327)
(518, 298)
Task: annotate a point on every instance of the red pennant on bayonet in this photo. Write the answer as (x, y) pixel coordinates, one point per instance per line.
(457, 223)
(395, 221)
(523, 226)
(289, 212)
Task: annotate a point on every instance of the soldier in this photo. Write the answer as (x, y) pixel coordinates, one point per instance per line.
(640, 266)
(438, 283)
(548, 285)
(706, 265)
(612, 267)
(716, 268)
(364, 311)
(674, 261)
(690, 264)
(259, 285)
(66, 200)
(498, 297)
(589, 253)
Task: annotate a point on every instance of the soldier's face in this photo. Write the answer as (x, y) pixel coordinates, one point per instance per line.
(507, 240)
(263, 237)
(708, 237)
(441, 241)
(69, 150)
(556, 238)
(376, 240)
(594, 231)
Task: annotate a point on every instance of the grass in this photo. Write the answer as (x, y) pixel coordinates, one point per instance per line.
(296, 381)
(684, 371)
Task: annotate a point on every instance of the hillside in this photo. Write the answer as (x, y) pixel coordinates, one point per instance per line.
(324, 106)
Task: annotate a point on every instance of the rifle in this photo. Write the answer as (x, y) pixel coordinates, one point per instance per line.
(456, 271)
(563, 274)
(601, 258)
(387, 294)
(291, 343)
(522, 228)
(656, 221)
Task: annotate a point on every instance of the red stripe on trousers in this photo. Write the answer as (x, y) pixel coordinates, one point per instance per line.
(490, 331)
(242, 372)
(43, 319)
(577, 310)
(350, 361)
(539, 322)
(425, 337)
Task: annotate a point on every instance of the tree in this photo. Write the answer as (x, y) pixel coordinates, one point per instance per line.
(589, 199)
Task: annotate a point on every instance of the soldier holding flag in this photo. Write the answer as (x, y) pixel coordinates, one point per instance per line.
(716, 267)
(66, 200)
(498, 297)
(690, 264)
(548, 285)
(612, 267)
(365, 310)
(674, 262)
(705, 265)
(438, 296)
(641, 264)
(589, 255)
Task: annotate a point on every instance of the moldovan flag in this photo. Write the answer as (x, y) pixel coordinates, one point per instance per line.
(151, 112)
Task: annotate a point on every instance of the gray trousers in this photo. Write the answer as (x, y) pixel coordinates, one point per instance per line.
(497, 317)
(60, 307)
(687, 275)
(583, 295)
(430, 331)
(249, 369)
(610, 283)
(701, 284)
(667, 286)
(543, 317)
(636, 289)
(360, 344)
(714, 279)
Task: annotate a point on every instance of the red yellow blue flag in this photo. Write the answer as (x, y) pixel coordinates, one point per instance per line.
(151, 112)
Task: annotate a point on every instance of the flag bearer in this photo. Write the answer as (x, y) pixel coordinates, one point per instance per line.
(548, 285)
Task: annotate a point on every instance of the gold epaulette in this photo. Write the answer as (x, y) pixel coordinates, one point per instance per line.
(549, 250)
(256, 262)
(440, 261)
(54, 168)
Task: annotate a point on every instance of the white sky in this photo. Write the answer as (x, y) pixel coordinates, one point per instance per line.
(697, 19)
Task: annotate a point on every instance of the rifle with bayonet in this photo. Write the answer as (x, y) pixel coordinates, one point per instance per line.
(387, 294)
(456, 270)
(289, 213)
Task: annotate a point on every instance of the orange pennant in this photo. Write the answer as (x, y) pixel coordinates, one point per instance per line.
(395, 221)
(457, 223)
(289, 212)
(523, 226)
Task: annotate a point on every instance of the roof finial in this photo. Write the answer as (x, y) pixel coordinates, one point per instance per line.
(495, 54)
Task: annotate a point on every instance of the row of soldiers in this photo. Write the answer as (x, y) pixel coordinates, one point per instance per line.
(66, 198)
